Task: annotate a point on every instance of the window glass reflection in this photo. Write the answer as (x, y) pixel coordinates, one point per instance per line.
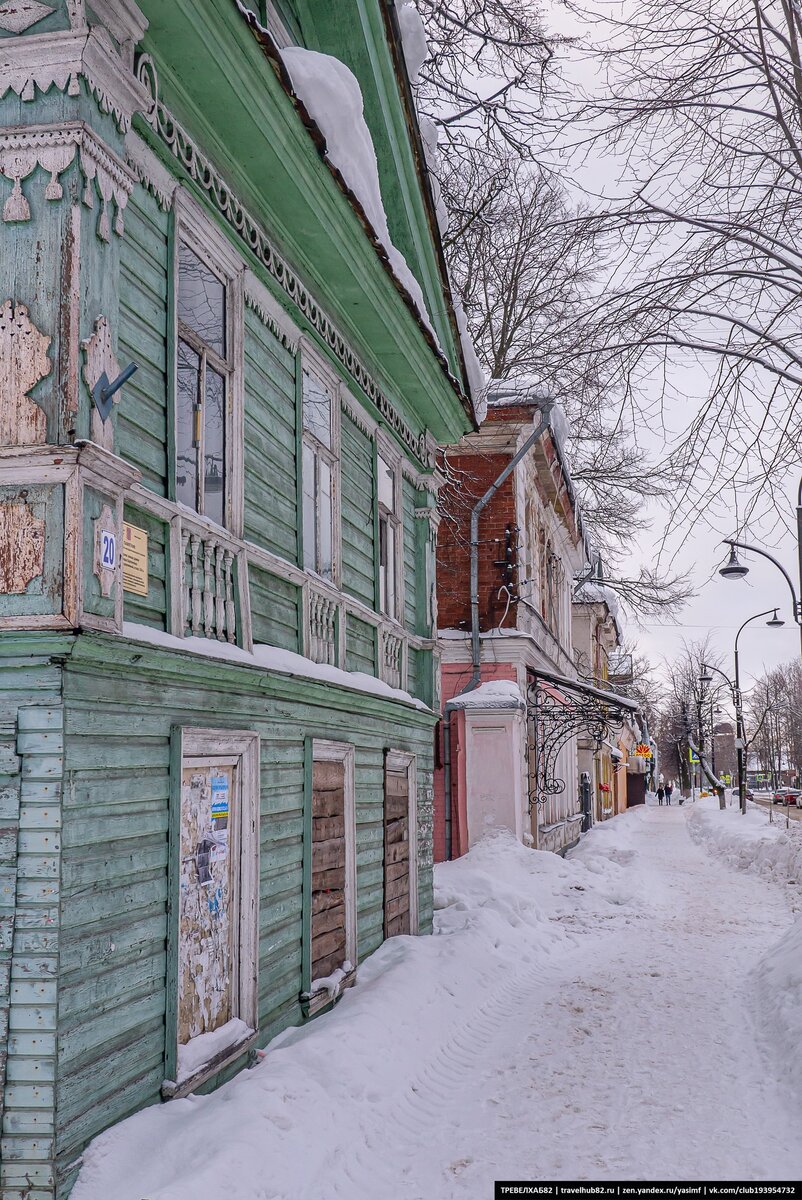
(201, 300)
(214, 445)
(317, 409)
(187, 397)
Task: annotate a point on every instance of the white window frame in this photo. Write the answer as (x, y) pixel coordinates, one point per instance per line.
(211, 746)
(400, 760)
(204, 239)
(342, 752)
(310, 361)
(392, 458)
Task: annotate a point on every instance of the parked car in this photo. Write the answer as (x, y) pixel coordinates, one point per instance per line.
(788, 795)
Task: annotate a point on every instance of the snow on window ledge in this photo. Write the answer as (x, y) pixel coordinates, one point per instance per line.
(205, 1055)
(323, 992)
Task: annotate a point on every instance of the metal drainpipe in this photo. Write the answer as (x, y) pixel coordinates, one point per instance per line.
(473, 682)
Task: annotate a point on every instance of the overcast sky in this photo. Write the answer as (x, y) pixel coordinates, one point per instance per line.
(721, 605)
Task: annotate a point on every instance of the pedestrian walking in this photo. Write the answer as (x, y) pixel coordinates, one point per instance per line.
(669, 790)
(660, 794)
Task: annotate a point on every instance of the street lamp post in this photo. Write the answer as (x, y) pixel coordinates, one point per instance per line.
(774, 622)
(734, 569)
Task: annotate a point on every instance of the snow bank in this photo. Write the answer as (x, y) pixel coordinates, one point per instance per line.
(778, 1007)
(272, 658)
(749, 842)
(503, 914)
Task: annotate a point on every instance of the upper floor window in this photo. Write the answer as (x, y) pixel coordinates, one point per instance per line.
(203, 384)
(319, 470)
(389, 538)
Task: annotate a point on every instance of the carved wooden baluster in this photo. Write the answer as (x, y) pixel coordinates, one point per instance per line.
(208, 584)
(330, 628)
(194, 548)
(231, 628)
(220, 594)
(186, 581)
(314, 605)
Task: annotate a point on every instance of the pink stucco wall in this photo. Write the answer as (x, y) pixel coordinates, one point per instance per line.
(454, 678)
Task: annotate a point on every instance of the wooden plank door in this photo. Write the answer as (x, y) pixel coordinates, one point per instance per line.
(209, 897)
(329, 945)
(396, 850)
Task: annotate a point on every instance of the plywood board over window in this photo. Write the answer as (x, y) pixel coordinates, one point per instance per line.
(216, 878)
(332, 898)
(400, 836)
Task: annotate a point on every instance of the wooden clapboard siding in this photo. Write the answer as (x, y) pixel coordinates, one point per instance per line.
(360, 645)
(150, 609)
(328, 915)
(281, 876)
(121, 700)
(356, 486)
(31, 745)
(397, 863)
(275, 610)
(114, 905)
(141, 415)
(411, 557)
(413, 672)
(271, 510)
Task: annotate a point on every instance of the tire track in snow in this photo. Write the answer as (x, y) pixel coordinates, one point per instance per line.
(417, 1111)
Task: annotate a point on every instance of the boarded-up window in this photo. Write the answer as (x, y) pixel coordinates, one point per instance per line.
(217, 896)
(208, 898)
(397, 857)
(329, 914)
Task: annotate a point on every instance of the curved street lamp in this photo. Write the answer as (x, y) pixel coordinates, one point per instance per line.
(774, 622)
(735, 569)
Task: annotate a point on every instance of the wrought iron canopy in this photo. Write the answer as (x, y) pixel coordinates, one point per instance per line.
(558, 709)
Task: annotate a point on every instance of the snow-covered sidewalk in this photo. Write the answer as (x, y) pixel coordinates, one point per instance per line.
(603, 1017)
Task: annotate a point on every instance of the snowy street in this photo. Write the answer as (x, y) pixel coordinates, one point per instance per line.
(594, 1018)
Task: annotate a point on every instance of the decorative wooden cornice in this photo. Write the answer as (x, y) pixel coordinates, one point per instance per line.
(63, 58)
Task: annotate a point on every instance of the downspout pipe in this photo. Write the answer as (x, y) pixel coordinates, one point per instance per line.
(473, 682)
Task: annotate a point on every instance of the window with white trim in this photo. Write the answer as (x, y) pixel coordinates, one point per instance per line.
(204, 370)
(389, 538)
(319, 475)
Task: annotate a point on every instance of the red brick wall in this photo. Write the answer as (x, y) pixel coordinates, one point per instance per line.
(470, 477)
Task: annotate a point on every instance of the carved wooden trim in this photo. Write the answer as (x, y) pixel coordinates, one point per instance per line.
(16, 17)
(24, 362)
(64, 57)
(100, 357)
(53, 148)
(106, 559)
(22, 547)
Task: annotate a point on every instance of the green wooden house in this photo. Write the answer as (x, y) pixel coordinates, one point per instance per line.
(218, 679)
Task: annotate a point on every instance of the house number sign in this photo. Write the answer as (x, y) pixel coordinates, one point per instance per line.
(108, 550)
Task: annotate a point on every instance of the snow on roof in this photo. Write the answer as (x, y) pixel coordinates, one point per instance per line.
(332, 97)
(413, 39)
(593, 592)
(331, 94)
(272, 658)
(416, 50)
(496, 693)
